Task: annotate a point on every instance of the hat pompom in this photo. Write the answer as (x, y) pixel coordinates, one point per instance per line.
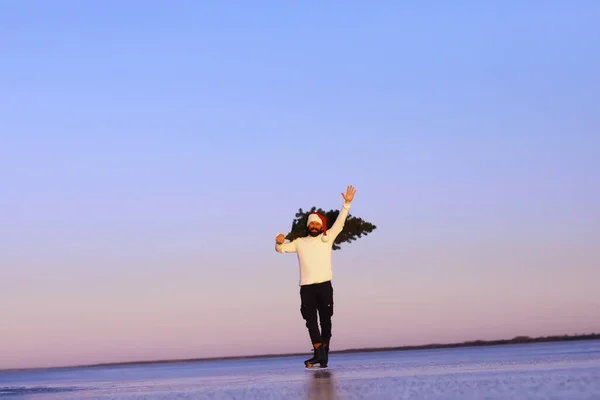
(324, 238)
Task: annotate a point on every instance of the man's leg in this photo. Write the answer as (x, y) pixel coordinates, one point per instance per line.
(325, 307)
(309, 310)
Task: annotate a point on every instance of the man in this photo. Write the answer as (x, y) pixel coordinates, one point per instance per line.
(316, 290)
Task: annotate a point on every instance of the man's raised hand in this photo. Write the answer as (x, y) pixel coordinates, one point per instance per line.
(350, 191)
(280, 238)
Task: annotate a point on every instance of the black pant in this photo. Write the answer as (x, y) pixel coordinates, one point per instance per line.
(317, 298)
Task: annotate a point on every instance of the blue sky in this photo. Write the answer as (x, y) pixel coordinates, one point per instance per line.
(151, 152)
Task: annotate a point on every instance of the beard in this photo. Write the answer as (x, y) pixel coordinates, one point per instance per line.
(315, 232)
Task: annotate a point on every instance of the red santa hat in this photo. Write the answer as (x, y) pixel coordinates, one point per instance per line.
(316, 217)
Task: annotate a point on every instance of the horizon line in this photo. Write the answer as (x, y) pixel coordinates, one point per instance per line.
(471, 343)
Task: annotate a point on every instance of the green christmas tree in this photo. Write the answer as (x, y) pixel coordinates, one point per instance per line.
(354, 227)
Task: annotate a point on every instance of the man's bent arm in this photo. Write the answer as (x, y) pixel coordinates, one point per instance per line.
(338, 225)
(289, 247)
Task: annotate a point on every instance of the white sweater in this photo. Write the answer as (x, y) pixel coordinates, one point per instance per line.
(314, 255)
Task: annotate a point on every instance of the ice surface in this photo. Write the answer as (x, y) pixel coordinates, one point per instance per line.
(567, 370)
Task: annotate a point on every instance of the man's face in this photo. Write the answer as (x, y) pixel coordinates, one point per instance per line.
(315, 229)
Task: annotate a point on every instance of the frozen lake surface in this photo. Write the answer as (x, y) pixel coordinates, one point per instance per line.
(565, 370)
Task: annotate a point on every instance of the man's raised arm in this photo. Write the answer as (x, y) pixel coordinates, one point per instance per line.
(338, 225)
(281, 247)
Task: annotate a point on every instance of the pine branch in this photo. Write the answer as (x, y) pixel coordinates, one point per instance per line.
(354, 228)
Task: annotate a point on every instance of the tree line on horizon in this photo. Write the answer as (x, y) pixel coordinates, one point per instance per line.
(473, 343)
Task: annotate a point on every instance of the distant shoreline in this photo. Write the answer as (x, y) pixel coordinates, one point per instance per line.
(474, 343)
